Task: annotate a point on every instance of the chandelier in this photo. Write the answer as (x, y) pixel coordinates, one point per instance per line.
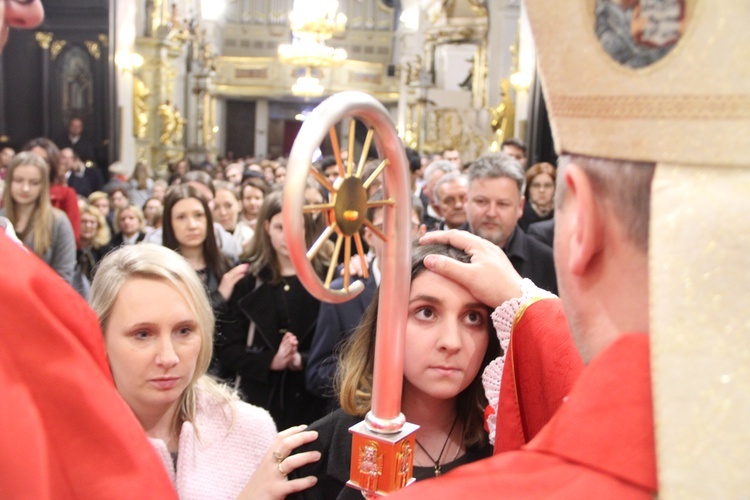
(307, 86)
(306, 50)
(312, 23)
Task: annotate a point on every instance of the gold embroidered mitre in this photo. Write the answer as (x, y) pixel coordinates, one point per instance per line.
(668, 81)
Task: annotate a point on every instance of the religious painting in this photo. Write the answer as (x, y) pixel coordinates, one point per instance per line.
(637, 33)
(76, 84)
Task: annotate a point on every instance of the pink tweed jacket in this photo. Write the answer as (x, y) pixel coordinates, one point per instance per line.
(216, 456)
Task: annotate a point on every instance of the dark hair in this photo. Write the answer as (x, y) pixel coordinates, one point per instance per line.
(215, 261)
(517, 143)
(53, 155)
(414, 159)
(357, 360)
(256, 182)
(326, 162)
(262, 255)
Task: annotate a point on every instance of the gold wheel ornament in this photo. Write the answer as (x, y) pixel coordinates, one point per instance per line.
(345, 214)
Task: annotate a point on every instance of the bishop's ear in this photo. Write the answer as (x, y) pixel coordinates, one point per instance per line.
(585, 235)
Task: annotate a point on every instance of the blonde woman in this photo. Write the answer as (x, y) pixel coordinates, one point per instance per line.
(158, 333)
(43, 229)
(130, 226)
(95, 240)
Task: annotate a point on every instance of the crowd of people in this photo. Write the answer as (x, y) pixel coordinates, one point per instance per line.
(250, 339)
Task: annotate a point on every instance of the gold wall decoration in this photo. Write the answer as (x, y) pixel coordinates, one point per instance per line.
(103, 39)
(168, 119)
(140, 108)
(44, 39)
(57, 47)
(503, 116)
(93, 49)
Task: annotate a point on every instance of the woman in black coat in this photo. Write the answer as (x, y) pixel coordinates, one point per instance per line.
(265, 336)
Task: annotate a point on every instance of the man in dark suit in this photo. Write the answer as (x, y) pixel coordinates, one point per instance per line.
(543, 231)
(494, 204)
(84, 180)
(75, 140)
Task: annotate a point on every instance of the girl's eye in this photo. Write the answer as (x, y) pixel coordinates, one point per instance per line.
(475, 318)
(185, 330)
(141, 335)
(424, 313)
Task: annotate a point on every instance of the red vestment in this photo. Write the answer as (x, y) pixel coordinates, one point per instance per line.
(66, 199)
(65, 432)
(541, 366)
(599, 444)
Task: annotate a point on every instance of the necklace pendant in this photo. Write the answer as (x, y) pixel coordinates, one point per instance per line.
(286, 287)
(438, 470)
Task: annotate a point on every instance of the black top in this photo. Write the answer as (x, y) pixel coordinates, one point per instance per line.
(271, 310)
(335, 444)
(530, 216)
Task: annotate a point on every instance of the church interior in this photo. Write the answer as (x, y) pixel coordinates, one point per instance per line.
(155, 81)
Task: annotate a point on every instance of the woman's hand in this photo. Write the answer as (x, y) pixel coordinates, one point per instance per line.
(285, 354)
(269, 481)
(230, 278)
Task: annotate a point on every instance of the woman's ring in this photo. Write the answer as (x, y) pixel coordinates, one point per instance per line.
(283, 472)
(278, 457)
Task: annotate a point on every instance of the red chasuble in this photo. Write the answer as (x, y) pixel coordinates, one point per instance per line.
(65, 432)
(540, 368)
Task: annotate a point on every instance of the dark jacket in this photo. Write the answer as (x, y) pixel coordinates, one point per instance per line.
(332, 470)
(117, 240)
(271, 311)
(336, 323)
(530, 216)
(543, 231)
(532, 259)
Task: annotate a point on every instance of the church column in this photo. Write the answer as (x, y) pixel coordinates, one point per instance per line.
(262, 117)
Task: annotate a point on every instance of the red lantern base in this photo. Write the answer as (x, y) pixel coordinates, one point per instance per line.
(381, 463)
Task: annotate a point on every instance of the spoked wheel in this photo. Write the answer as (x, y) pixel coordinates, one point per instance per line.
(345, 211)
(348, 206)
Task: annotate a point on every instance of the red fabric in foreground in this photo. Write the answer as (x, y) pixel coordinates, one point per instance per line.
(541, 367)
(65, 432)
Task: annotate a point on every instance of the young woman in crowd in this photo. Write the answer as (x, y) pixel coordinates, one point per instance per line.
(188, 229)
(227, 213)
(118, 197)
(130, 226)
(153, 210)
(158, 327)
(42, 228)
(61, 195)
(540, 195)
(265, 338)
(95, 243)
(252, 193)
(449, 341)
(100, 200)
